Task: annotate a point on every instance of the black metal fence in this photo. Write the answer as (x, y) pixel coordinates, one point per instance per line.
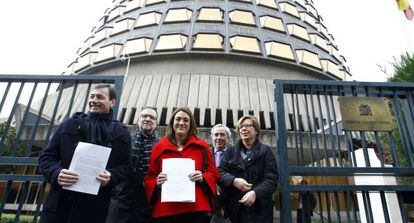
(348, 184)
(31, 106)
(356, 176)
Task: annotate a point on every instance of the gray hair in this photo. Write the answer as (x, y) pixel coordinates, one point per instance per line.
(226, 129)
(151, 108)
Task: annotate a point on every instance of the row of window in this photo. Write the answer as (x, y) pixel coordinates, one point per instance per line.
(216, 15)
(207, 41)
(237, 16)
(209, 15)
(290, 8)
(286, 7)
(206, 14)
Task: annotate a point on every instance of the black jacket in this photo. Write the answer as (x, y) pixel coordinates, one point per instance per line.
(258, 168)
(58, 155)
(129, 203)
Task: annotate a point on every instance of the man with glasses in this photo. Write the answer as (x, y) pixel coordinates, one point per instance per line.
(129, 203)
(220, 138)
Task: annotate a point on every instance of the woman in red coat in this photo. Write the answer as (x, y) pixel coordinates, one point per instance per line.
(181, 141)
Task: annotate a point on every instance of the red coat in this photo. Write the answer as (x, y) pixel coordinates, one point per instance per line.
(192, 149)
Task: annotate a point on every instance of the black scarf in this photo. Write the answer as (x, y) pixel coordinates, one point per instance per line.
(96, 128)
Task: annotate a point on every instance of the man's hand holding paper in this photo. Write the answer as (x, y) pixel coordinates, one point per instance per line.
(88, 164)
(67, 178)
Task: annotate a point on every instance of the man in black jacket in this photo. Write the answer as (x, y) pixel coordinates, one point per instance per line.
(307, 203)
(129, 203)
(96, 127)
(220, 138)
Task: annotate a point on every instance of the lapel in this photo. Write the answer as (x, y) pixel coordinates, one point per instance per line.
(236, 161)
(253, 155)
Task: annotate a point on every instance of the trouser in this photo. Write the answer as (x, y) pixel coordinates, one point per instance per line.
(196, 217)
(131, 207)
(303, 216)
(68, 212)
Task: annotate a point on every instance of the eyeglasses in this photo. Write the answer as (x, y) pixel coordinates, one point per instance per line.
(148, 116)
(246, 126)
(222, 134)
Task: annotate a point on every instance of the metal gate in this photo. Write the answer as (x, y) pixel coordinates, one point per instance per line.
(31, 106)
(355, 175)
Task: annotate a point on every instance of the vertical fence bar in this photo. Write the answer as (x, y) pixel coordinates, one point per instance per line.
(410, 100)
(295, 127)
(300, 130)
(385, 208)
(52, 121)
(6, 93)
(338, 141)
(367, 206)
(328, 205)
(321, 217)
(350, 148)
(21, 201)
(315, 128)
(39, 200)
(39, 115)
(347, 206)
(338, 207)
(402, 210)
(72, 98)
(365, 149)
(9, 120)
(5, 196)
(402, 129)
(285, 212)
(328, 112)
(21, 127)
(379, 149)
(354, 211)
(309, 131)
(85, 102)
(323, 130)
(393, 149)
(409, 121)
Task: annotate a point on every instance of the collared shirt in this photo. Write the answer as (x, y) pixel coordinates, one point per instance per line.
(218, 154)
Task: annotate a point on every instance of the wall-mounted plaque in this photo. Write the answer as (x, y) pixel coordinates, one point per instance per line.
(365, 114)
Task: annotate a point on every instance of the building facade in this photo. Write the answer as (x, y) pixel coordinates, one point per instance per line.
(217, 57)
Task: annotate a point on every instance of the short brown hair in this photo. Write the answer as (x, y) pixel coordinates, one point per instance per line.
(111, 90)
(254, 120)
(170, 127)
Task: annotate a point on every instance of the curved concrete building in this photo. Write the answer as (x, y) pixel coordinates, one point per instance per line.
(217, 57)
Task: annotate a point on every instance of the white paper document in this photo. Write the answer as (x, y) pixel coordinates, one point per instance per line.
(178, 187)
(88, 161)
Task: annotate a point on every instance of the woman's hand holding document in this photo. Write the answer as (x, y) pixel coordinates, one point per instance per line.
(89, 162)
(178, 187)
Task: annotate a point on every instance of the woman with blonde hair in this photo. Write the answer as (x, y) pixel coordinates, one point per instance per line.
(249, 176)
(181, 141)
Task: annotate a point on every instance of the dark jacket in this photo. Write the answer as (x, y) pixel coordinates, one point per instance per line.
(129, 203)
(258, 168)
(67, 206)
(219, 203)
(308, 202)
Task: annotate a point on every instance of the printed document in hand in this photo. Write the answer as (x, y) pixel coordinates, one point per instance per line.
(88, 161)
(178, 187)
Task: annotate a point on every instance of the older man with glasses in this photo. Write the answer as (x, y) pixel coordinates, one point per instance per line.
(129, 203)
(220, 138)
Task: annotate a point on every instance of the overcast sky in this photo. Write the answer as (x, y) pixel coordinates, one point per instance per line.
(41, 37)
